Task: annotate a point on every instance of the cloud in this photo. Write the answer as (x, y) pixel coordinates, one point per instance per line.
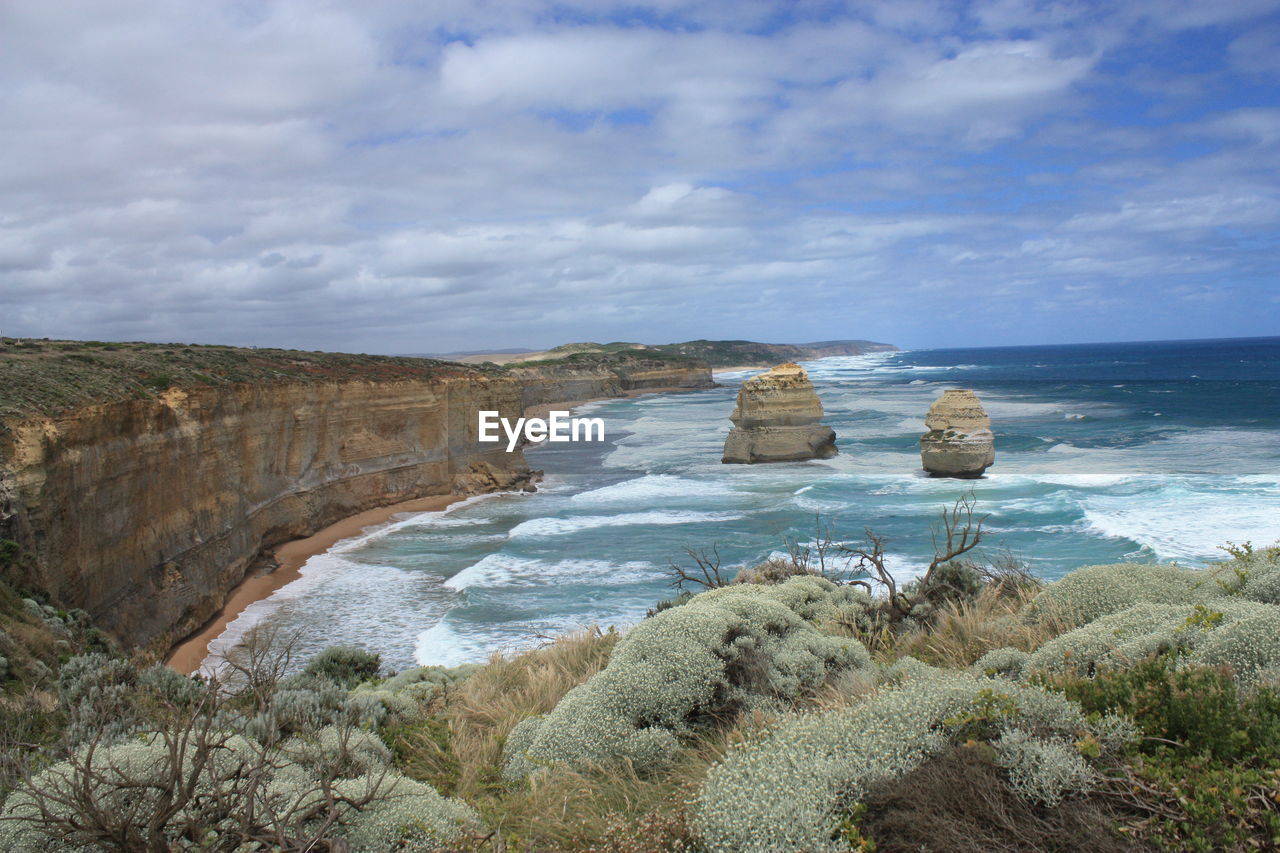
(393, 177)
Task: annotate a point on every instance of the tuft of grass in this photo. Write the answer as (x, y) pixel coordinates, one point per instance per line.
(961, 631)
(459, 747)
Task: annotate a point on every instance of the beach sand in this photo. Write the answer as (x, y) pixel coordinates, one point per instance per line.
(187, 656)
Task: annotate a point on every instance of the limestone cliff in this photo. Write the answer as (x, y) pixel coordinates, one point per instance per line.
(145, 480)
(146, 513)
(778, 419)
(959, 442)
(597, 376)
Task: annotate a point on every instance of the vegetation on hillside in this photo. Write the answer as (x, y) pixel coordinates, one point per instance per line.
(731, 353)
(44, 376)
(792, 707)
(47, 376)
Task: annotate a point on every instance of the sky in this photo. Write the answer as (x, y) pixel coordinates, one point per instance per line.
(390, 177)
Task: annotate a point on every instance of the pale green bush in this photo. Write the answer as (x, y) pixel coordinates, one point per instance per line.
(787, 790)
(405, 694)
(1248, 641)
(727, 649)
(100, 695)
(1009, 662)
(407, 817)
(1042, 770)
(345, 752)
(1235, 632)
(127, 779)
(1119, 638)
(1264, 587)
(1088, 593)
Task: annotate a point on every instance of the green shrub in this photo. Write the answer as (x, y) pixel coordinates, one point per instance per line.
(407, 817)
(1088, 593)
(1199, 707)
(1007, 661)
(727, 649)
(950, 582)
(786, 790)
(1234, 632)
(345, 666)
(406, 694)
(1043, 771)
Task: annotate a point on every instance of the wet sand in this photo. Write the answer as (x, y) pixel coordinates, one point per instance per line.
(187, 656)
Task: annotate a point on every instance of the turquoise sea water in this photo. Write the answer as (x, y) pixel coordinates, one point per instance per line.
(1107, 452)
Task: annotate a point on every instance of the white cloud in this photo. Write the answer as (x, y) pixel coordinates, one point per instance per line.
(388, 176)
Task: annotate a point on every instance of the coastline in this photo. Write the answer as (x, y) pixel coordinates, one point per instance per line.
(718, 370)
(187, 656)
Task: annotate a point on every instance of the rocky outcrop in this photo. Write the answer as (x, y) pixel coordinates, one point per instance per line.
(778, 419)
(959, 442)
(481, 478)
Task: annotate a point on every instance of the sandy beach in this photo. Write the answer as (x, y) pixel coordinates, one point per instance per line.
(187, 656)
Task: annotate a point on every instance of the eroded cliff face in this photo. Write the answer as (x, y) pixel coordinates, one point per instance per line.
(147, 512)
(778, 419)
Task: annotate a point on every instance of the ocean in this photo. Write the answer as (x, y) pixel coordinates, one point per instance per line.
(1158, 451)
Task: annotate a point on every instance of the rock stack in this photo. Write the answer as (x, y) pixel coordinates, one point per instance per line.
(778, 419)
(959, 442)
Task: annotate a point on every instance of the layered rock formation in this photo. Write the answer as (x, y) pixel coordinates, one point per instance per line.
(146, 513)
(959, 442)
(145, 505)
(596, 376)
(778, 419)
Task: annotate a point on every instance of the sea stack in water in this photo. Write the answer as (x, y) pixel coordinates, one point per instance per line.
(778, 419)
(959, 442)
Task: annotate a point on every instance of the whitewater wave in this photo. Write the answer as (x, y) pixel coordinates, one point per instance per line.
(574, 524)
(506, 570)
(653, 488)
(1177, 523)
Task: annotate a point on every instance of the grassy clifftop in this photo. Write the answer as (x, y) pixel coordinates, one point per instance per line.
(44, 376)
(49, 376)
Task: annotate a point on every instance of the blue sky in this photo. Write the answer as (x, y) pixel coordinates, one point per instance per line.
(391, 177)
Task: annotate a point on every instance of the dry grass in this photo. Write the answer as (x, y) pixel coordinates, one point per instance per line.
(459, 748)
(960, 802)
(963, 631)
